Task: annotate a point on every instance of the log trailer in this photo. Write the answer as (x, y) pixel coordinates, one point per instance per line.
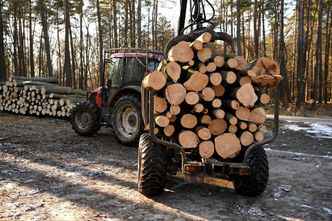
(204, 112)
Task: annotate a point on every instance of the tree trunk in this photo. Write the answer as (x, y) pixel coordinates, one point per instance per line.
(3, 69)
(67, 66)
(327, 53)
(32, 63)
(318, 64)
(115, 28)
(301, 59)
(73, 58)
(43, 16)
(139, 23)
(101, 47)
(81, 75)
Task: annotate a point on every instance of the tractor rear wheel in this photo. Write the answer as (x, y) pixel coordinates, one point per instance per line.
(152, 166)
(85, 118)
(255, 183)
(127, 120)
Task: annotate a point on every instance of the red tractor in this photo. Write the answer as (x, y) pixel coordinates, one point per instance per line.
(118, 103)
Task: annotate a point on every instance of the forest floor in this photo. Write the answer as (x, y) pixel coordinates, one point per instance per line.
(47, 172)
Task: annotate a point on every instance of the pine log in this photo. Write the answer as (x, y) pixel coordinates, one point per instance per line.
(169, 130)
(264, 99)
(206, 149)
(202, 68)
(169, 115)
(243, 113)
(231, 118)
(257, 115)
(242, 125)
(219, 61)
(242, 64)
(252, 127)
(219, 90)
(215, 78)
(196, 45)
(188, 139)
(161, 121)
(156, 80)
(211, 67)
(229, 77)
(216, 103)
(246, 95)
(188, 121)
(175, 109)
(231, 63)
(205, 37)
(246, 138)
(203, 133)
(175, 94)
(192, 98)
(227, 145)
(259, 136)
(198, 108)
(205, 119)
(160, 104)
(231, 104)
(181, 53)
(217, 126)
(204, 54)
(196, 82)
(208, 94)
(53, 80)
(232, 129)
(173, 70)
(244, 80)
(218, 113)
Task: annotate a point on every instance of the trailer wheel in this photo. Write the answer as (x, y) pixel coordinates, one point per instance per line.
(255, 183)
(127, 120)
(152, 166)
(85, 118)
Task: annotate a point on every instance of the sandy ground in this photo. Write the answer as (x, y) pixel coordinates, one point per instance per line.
(47, 172)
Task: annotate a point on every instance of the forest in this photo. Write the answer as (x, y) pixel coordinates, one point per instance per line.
(67, 38)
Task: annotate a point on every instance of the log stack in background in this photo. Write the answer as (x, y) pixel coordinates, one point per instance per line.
(210, 103)
(38, 96)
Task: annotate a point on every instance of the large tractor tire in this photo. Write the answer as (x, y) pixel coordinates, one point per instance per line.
(85, 118)
(255, 183)
(127, 120)
(152, 166)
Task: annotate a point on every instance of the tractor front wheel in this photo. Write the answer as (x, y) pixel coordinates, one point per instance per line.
(152, 166)
(127, 120)
(255, 183)
(85, 118)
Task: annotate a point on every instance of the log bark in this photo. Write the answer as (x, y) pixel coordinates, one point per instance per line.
(206, 149)
(227, 145)
(188, 139)
(231, 104)
(231, 119)
(53, 80)
(217, 126)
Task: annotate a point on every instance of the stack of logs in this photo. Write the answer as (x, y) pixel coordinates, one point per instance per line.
(209, 103)
(38, 96)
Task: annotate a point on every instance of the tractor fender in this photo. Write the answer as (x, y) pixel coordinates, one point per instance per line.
(95, 96)
(134, 89)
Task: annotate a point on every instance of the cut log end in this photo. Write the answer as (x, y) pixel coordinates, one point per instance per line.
(227, 145)
(206, 149)
(188, 139)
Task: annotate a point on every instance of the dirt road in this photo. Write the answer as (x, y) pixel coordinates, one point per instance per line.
(47, 172)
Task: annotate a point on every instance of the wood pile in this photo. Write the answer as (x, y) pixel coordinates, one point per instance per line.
(210, 103)
(38, 96)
